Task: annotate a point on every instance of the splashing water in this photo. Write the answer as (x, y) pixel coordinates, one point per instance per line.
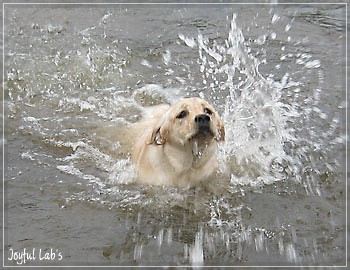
(261, 119)
(196, 251)
(78, 113)
(263, 116)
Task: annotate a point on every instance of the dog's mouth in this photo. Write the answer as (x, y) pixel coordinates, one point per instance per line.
(202, 134)
(201, 140)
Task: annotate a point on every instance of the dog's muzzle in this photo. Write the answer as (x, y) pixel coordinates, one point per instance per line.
(203, 124)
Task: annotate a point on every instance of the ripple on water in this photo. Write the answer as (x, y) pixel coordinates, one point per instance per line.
(277, 129)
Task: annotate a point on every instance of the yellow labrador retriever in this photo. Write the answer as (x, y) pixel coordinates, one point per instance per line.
(177, 144)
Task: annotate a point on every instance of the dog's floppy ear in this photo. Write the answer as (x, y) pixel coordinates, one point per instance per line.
(220, 132)
(159, 136)
(160, 133)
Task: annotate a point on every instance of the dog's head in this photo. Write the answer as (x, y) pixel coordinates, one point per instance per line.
(186, 120)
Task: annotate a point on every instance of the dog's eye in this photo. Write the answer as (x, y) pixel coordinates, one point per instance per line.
(208, 111)
(181, 115)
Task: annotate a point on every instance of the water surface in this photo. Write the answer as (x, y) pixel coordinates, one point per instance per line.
(75, 76)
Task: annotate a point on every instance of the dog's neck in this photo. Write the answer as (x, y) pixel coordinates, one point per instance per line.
(190, 159)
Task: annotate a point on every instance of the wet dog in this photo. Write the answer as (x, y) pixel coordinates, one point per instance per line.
(177, 144)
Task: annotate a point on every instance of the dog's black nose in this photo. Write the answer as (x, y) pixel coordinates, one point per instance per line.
(202, 120)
